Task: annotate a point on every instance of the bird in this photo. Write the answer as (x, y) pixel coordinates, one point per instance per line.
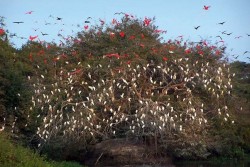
(197, 27)
(18, 22)
(237, 37)
(32, 37)
(86, 21)
(43, 34)
(1, 31)
(229, 33)
(235, 56)
(222, 23)
(102, 21)
(223, 32)
(58, 18)
(13, 35)
(219, 37)
(248, 35)
(119, 13)
(246, 52)
(30, 12)
(86, 27)
(206, 7)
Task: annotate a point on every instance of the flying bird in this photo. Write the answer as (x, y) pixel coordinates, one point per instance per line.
(86, 21)
(229, 33)
(32, 37)
(248, 35)
(237, 37)
(58, 18)
(223, 32)
(30, 12)
(43, 34)
(222, 23)
(219, 37)
(236, 56)
(206, 7)
(119, 13)
(246, 52)
(18, 22)
(197, 27)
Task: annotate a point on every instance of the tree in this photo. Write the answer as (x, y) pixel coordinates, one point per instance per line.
(120, 80)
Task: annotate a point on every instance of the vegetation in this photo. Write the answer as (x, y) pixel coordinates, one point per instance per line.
(121, 80)
(16, 155)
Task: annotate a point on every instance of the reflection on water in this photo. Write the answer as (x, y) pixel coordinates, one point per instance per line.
(229, 163)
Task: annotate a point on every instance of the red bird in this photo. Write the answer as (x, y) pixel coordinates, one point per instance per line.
(206, 7)
(146, 21)
(188, 51)
(33, 37)
(30, 12)
(142, 36)
(122, 34)
(131, 37)
(86, 27)
(165, 58)
(30, 57)
(1, 31)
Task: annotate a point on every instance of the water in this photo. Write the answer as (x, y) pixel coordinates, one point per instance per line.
(229, 163)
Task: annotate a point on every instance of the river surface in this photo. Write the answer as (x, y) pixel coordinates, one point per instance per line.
(229, 163)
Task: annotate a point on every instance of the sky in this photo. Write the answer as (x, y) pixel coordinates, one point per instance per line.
(176, 17)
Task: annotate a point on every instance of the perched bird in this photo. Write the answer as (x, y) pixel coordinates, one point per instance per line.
(1, 31)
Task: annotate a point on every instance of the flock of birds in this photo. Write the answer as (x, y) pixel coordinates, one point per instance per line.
(137, 98)
(59, 21)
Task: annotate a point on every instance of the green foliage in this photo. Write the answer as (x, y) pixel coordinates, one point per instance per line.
(15, 155)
